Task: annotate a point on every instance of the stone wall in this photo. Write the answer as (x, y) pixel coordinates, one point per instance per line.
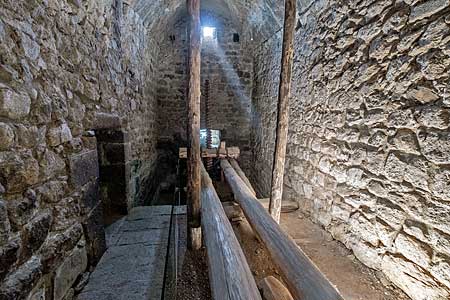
(368, 154)
(228, 66)
(68, 69)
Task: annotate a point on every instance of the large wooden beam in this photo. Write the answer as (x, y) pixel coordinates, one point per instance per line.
(287, 57)
(241, 174)
(272, 289)
(303, 278)
(194, 155)
(231, 152)
(229, 273)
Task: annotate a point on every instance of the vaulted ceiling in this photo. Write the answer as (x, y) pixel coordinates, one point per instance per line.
(262, 17)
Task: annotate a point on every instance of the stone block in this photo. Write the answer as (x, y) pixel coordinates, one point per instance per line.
(30, 136)
(6, 136)
(8, 255)
(20, 211)
(14, 105)
(415, 281)
(106, 121)
(91, 197)
(413, 249)
(66, 213)
(51, 164)
(94, 232)
(422, 94)
(19, 170)
(435, 145)
(405, 140)
(440, 185)
(67, 273)
(434, 117)
(52, 191)
(5, 226)
(427, 9)
(18, 284)
(43, 290)
(59, 135)
(30, 47)
(34, 234)
(83, 167)
(55, 247)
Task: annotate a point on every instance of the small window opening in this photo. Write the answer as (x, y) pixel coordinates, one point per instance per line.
(236, 38)
(209, 32)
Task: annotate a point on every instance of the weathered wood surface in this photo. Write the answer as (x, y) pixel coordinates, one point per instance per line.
(231, 152)
(283, 109)
(272, 289)
(230, 275)
(194, 154)
(304, 279)
(241, 174)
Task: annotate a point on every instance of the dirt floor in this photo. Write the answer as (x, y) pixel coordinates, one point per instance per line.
(354, 280)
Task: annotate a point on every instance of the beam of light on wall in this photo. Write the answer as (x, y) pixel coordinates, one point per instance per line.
(209, 32)
(234, 81)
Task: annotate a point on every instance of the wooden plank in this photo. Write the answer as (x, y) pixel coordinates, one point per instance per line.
(194, 154)
(283, 109)
(229, 272)
(304, 279)
(231, 152)
(241, 174)
(272, 289)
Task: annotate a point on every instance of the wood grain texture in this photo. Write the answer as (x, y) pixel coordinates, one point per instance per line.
(241, 174)
(304, 279)
(229, 272)
(231, 152)
(272, 289)
(194, 154)
(279, 160)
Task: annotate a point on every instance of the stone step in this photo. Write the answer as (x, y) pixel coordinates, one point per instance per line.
(133, 267)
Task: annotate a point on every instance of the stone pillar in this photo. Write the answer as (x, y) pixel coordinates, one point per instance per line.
(84, 172)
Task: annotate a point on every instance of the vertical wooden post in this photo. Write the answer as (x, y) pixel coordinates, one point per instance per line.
(194, 152)
(283, 109)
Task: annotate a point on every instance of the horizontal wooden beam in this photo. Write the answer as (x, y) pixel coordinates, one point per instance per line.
(231, 152)
(303, 278)
(229, 273)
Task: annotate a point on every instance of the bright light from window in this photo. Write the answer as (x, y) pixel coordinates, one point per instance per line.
(209, 32)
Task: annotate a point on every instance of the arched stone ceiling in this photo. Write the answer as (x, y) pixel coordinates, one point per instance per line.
(262, 17)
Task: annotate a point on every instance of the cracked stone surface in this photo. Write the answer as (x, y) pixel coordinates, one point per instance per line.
(133, 266)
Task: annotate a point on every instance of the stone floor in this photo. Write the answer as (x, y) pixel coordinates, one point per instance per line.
(134, 265)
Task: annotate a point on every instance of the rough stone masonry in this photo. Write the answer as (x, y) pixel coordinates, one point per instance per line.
(88, 88)
(69, 70)
(369, 146)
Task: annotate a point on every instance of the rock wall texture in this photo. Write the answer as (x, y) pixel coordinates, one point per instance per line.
(226, 64)
(368, 154)
(68, 71)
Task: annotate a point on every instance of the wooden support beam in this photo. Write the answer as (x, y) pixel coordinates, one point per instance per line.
(241, 174)
(231, 152)
(272, 289)
(287, 57)
(194, 156)
(229, 272)
(303, 278)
